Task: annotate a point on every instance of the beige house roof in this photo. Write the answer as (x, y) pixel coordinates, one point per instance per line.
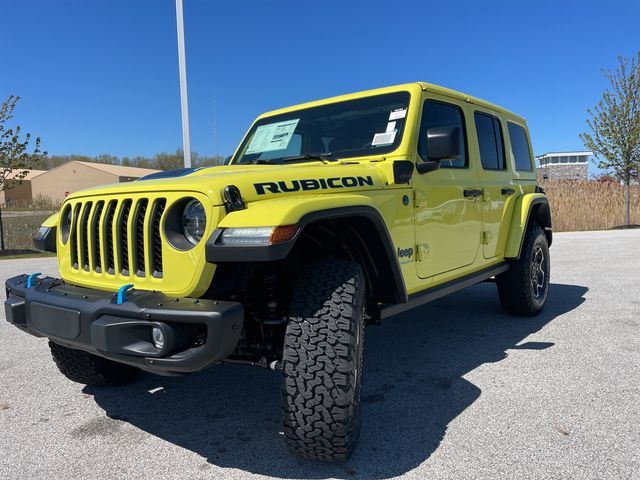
(73, 176)
(32, 174)
(119, 170)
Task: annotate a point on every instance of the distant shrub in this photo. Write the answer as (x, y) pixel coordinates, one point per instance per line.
(41, 202)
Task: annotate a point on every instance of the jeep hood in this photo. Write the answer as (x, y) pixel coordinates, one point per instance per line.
(255, 182)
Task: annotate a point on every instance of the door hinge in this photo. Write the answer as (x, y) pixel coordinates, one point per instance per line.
(419, 199)
(486, 238)
(422, 252)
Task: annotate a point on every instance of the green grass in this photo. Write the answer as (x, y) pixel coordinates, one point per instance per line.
(27, 255)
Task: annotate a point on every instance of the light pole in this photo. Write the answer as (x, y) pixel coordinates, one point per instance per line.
(184, 104)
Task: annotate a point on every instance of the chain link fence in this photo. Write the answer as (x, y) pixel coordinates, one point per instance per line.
(17, 228)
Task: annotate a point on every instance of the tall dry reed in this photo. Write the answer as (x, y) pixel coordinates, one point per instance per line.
(589, 205)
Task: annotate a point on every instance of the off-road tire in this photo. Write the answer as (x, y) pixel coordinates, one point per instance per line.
(523, 289)
(88, 369)
(322, 361)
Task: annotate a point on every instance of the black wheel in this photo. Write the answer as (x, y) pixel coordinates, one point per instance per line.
(322, 361)
(524, 287)
(82, 367)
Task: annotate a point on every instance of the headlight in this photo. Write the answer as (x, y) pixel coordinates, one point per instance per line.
(194, 221)
(257, 236)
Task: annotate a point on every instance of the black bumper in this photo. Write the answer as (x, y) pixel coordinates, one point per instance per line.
(197, 332)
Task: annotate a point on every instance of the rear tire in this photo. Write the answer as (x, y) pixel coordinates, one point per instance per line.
(322, 361)
(83, 367)
(524, 287)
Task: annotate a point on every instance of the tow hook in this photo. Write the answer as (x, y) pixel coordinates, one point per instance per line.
(263, 362)
(31, 277)
(122, 293)
(275, 365)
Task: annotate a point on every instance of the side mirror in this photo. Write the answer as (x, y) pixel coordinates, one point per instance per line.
(443, 143)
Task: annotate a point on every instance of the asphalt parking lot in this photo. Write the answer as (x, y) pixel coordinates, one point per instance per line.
(453, 390)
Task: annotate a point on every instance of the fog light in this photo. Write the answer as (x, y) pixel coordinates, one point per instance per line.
(157, 337)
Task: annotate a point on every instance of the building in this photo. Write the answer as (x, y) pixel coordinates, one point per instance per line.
(70, 177)
(20, 194)
(564, 166)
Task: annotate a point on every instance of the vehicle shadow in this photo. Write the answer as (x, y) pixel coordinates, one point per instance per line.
(413, 388)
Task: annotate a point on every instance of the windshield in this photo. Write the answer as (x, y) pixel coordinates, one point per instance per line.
(366, 126)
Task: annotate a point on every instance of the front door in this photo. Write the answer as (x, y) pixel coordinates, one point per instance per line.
(448, 217)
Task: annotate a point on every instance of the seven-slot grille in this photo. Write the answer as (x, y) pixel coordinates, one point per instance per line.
(118, 234)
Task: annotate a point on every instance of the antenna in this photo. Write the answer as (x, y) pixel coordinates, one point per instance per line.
(184, 104)
(215, 126)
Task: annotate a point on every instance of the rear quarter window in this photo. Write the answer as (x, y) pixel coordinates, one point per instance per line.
(490, 141)
(520, 147)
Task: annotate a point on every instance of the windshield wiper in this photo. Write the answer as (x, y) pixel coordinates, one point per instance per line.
(311, 157)
(260, 161)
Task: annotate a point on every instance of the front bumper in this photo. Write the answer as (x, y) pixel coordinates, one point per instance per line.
(198, 332)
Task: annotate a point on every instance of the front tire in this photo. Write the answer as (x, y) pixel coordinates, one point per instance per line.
(523, 289)
(82, 367)
(322, 361)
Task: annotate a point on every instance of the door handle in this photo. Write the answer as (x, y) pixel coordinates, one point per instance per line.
(472, 192)
(508, 191)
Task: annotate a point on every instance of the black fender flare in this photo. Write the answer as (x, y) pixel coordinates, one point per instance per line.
(217, 253)
(540, 212)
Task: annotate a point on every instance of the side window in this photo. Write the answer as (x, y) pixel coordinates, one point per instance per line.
(438, 114)
(520, 147)
(490, 141)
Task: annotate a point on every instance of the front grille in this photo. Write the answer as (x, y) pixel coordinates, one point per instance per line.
(95, 235)
(109, 236)
(156, 246)
(107, 229)
(74, 236)
(84, 236)
(138, 237)
(123, 238)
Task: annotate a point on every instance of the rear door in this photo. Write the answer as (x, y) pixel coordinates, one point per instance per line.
(496, 178)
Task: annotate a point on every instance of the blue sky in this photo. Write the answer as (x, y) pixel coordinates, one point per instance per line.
(101, 76)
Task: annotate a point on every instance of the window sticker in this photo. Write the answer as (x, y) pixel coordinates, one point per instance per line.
(391, 127)
(397, 114)
(274, 136)
(386, 138)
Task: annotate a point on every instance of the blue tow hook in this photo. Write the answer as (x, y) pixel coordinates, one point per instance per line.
(31, 277)
(122, 293)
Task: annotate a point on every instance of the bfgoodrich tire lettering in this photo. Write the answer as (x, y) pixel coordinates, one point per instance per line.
(82, 367)
(524, 287)
(322, 361)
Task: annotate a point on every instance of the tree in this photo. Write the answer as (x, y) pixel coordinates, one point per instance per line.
(168, 161)
(15, 159)
(606, 178)
(615, 126)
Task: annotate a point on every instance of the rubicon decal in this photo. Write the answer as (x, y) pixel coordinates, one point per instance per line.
(312, 184)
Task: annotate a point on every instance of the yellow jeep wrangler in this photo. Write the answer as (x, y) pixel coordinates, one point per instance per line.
(331, 215)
